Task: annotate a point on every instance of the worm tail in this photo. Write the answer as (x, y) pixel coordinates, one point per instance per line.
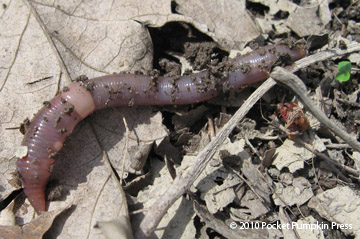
(35, 176)
(45, 137)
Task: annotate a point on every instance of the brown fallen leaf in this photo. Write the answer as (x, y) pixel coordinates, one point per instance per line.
(222, 19)
(33, 230)
(117, 228)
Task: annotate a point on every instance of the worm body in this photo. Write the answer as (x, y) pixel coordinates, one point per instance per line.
(57, 119)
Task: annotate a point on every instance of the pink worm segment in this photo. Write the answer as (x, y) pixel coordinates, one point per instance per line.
(58, 118)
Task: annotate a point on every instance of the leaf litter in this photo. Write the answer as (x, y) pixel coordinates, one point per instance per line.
(64, 40)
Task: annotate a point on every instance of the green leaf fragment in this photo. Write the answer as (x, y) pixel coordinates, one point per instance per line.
(343, 76)
(344, 69)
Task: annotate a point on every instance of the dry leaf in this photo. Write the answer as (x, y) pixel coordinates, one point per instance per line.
(222, 227)
(178, 221)
(293, 156)
(303, 228)
(251, 208)
(247, 128)
(259, 182)
(314, 15)
(117, 228)
(275, 5)
(188, 118)
(356, 157)
(341, 207)
(33, 230)
(288, 232)
(42, 43)
(313, 18)
(217, 196)
(297, 194)
(228, 22)
(7, 217)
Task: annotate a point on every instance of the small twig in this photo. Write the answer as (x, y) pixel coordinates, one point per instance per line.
(126, 149)
(211, 126)
(323, 55)
(337, 146)
(12, 128)
(39, 80)
(294, 83)
(253, 149)
(58, 83)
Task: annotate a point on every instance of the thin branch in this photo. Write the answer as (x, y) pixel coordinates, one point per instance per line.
(323, 55)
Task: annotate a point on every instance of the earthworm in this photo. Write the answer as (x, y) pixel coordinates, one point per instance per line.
(49, 128)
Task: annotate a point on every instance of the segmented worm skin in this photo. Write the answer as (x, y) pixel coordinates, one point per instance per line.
(57, 119)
